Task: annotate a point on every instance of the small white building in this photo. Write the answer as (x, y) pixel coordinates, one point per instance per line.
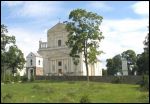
(34, 65)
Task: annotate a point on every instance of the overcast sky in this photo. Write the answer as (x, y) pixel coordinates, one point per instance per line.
(124, 24)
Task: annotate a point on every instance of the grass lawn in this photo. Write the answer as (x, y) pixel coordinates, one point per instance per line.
(72, 91)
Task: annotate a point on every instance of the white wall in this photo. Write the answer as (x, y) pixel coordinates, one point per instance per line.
(22, 72)
(37, 62)
(29, 62)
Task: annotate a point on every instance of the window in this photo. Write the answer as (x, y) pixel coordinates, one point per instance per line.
(39, 62)
(59, 42)
(31, 61)
(59, 63)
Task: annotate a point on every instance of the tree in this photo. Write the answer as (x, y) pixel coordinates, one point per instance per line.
(130, 55)
(143, 63)
(143, 59)
(84, 35)
(13, 57)
(104, 72)
(16, 59)
(5, 40)
(146, 43)
(117, 63)
(114, 65)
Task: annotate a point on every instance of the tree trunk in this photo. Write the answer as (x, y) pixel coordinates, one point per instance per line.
(86, 62)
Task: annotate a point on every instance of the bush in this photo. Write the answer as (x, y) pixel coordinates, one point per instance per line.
(24, 79)
(17, 78)
(6, 98)
(116, 80)
(85, 99)
(8, 78)
(145, 83)
(32, 78)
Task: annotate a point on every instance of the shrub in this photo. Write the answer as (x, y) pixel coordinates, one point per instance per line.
(85, 99)
(6, 98)
(116, 80)
(32, 78)
(145, 83)
(8, 78)
(17, 78)
(24, 79)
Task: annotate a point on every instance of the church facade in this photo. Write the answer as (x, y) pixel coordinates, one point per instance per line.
(56, 59)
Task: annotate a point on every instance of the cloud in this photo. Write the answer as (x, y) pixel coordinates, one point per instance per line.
(141, 8)
(35, 9)
(121, 35)
(99, 5)
(12, 3)
(27, 40)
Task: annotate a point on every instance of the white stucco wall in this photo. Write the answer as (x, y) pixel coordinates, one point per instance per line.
(35, 60)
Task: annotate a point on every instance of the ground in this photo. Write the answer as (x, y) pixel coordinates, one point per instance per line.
(70, 91)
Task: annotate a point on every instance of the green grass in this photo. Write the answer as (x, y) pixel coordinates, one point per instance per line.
(72, 92)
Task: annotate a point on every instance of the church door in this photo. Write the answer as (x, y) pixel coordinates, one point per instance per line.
(60, 71)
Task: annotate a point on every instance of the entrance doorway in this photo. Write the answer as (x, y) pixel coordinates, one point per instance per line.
(59, 71)
(30, 73)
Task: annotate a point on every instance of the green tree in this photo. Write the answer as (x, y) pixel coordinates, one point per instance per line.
(146, 43)
(143, 59)
(130, 55)
(110, 67)
(117, 63)
(16, 59)
(104, 72)
(5, 40)
(13, 57)
(114, 65)
(143, 63)
(84, 35)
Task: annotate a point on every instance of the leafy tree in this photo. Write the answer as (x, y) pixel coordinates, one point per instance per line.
(110, 67)
(5, 40)
(146, 43)
(104, 72)
(117, 63)
(143, 59)
(143, 63)
(130, 55)
(84, 35)
(114, 65)
(16, 58)
(11, 58)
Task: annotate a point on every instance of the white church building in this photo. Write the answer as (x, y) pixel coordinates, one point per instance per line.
(52, 57)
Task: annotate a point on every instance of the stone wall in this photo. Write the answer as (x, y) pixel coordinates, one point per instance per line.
(39, 71)
(107, 79)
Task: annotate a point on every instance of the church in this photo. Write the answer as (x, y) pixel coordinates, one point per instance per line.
(54, 57)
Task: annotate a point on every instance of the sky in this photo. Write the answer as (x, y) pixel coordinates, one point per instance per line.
(124, 25)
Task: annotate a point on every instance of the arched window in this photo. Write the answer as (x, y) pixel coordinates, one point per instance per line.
(59, 42)
(31, 61)
(39, 62)
(59, 63)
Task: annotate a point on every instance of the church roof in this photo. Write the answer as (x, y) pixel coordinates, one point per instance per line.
(35, 54)
(57, 27)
